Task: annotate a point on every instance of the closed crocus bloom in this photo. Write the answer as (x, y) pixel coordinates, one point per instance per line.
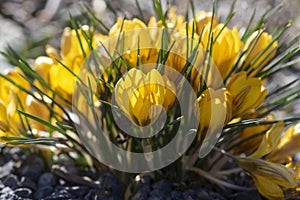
(271, 179)
(226, 47)
(16, 75)
(138, 95)
(202, 19)
(71, 49)
(10, 120)
(40, 110)
(176, 21)
(215, 112)
(269, 141)
(247, 93)
(287, 146)
(7, 129)
(42, 66)
(10, 99)
(136, 34)
(126, 25)
(251, 145)
(254, 46)
(71, 56)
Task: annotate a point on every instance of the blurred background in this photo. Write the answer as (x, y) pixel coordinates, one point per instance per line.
(28, 25)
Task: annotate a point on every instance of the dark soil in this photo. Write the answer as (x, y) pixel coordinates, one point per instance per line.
(27, 176)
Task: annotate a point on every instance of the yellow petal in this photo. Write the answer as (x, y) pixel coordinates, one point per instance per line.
(37, 109)
(247, 93)
(255, 44)
(267, 188)
(42, 66)
(270, 141)
(277, 173)
(170, 93)
(226, 47)
(288, 145)
(3, 118)
(202, 19)
(215, 112)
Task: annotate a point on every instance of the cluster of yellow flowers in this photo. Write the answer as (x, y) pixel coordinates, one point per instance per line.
(241, 93)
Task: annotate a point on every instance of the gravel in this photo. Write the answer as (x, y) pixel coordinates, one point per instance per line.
(26, 176)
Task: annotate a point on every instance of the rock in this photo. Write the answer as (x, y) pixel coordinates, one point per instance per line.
(33, 167)
(111, 184)
(28, 183)
(248, 195)
(47, 179)
(144, 186)
(23, 192)
(93, 194)
(6, 169)
(7, 190)
(139, 196)
(7, 196)
(43, 192)
(76, 191)
(176, 195)
(164, 186)
(11, 181)
(158, 194)
(17, 153)
(156, 198)
(216, 196)
(190, 195)
(60, 194)
(4, 159)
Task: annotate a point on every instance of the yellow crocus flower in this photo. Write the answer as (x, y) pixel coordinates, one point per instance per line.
(214, 113)
(251, 145)
(126, 25)
(287, 146)
(176, 21)
(226, 47)
(16, 75)
(133, 29)
(138, 95)
(254, 45)
(269, 141)
(71, 55)
(40, 110)
(9, 121)
(271, 179)
(247, 93)
(203, 18)
(10, 99)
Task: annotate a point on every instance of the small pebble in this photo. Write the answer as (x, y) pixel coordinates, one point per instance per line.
(33, 167)
(248, 195)
(164, 187)
(23, 192)
(190, 195)
(28, 183)
(43, 192)
(47, 179)
(176, 195)
(112, 184)
(11, 181)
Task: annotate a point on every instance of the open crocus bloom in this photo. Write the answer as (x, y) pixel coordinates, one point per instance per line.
(247, 93)
(138, 95)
